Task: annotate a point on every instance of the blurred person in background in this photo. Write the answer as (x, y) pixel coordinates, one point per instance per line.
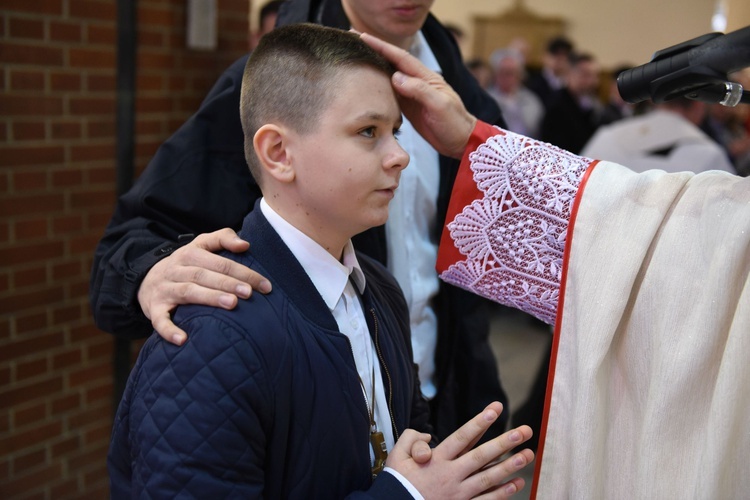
(574, 112)
(522, 109)
(555, 67)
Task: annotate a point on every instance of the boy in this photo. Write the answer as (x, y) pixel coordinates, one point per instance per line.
(299, 393)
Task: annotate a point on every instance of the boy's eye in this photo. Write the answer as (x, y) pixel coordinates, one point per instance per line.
(396, 132)
(368, 132)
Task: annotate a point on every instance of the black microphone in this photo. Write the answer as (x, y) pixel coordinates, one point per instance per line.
(696, 69)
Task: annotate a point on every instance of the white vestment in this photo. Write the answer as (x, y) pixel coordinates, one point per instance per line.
(650, 374)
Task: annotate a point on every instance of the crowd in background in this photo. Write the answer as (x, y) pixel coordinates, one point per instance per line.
(569, 97)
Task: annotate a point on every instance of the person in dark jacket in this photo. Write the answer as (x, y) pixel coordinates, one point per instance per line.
(300, 392)
(575, 111)
(148, 260)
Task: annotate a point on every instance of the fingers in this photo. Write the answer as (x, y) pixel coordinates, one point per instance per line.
(497, 473)
(410, 442)
(400, 58)
(193, 274)
(468, 434)
(222, 239)
(505, 490)
(162, 323)
(421, 451)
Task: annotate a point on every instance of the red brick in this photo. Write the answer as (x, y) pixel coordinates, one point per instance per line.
(95, 483)
(25, 105)
(3, 127)
(103, 34)
(31, 277)
(88, 199)
(101, 432)
(67, 359)
(98, 220)
(31, 322)
(151, 16)
(29, 179)
(149, 127)
(65, 489)
(66, 224)
(154, 105)
(96, 394)
(28, 81)
(92, 58)
(92, 9)
(90, 456)
(80, 289)
(28, 131)
(92, 152)
(101, 129)
(38, 6)
(30, 229)
(30, 369)
(67, 314)
(32, 204)
(24, 393)
(38, 493)
(86, 332)
(160, 62)
(100, 413)
(67, 177)
(101, 175)
(4, 428)
(66, 130)
(4, 376)
(65, 32)
(150, 83)
(66, 270)
(90, 374)
(37, 155)
(21, 302)
(23, 484)
(26, 28)
(66, 403)
(66, 446)
(30, 345)
(4, 287)
(62, 82)
(83, 244)
(22, 254)
(102, 349)
(29, 416)
(150, 38)
(177, 84)
(92, 106)
(102, 83)
(147, 148)
(19, 53)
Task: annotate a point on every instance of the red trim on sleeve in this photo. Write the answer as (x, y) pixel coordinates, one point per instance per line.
(558, 326)
(465, 191)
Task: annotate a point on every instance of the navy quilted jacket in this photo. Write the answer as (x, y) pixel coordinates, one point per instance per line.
(264, 400)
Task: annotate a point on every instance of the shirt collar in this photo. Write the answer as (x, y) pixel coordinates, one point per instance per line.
(422, 51)
(328, 275)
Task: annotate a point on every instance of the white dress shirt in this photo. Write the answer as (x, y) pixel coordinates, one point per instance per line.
(412, 252)
(331, 278)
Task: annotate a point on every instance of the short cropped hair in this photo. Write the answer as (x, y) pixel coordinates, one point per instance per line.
(290, 78)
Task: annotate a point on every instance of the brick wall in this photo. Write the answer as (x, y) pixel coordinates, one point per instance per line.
(57, 190)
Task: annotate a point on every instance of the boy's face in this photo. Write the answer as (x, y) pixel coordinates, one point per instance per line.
(395, 21)
(348, 167)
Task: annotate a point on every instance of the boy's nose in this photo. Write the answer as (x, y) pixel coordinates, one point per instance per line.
(399, 158)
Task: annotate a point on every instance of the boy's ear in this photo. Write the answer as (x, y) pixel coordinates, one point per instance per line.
(271, 144)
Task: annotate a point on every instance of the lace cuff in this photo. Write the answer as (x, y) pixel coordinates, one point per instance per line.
(509, 214)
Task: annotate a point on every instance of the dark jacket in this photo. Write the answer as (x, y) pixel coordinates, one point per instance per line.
(566, 124)
(265, 400)
(198, 182)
